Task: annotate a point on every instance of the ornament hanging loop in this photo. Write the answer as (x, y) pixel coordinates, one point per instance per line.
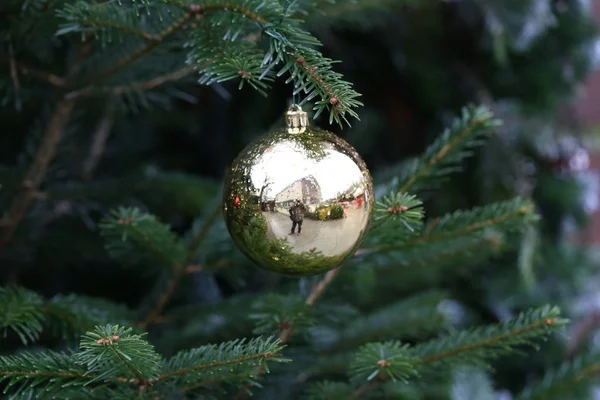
(296, 119)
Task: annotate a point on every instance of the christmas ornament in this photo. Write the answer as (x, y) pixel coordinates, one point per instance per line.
(298, 200)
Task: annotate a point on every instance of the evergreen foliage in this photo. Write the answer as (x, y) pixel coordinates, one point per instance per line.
(429, 308)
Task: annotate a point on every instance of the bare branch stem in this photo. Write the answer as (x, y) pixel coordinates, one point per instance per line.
(179, 272)
(37, 170)
(98, 143)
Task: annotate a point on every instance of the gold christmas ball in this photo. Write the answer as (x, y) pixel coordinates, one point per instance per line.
(298, 200)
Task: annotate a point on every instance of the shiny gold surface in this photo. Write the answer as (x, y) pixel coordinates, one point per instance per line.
(320, 170)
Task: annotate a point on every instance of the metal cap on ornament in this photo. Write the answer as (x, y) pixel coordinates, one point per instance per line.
(296, 119)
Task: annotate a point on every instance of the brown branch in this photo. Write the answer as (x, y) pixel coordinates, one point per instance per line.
(285, 335)
(364, 389)
(137, 86)
(155, 82)
(195, 245)
(37, 170)
(316, 292)
(98, 143)
(582, 331)
(15, 76)
(153, 42)
(179, 272)
(53, 80)
(163, 298)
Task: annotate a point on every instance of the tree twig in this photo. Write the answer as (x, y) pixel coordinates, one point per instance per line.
(581, 332)
(316, 292)
(98, 142)
(364, 389)
(153, 42)
(138, 86)
(37, 170)
(52, 79)
(285, 335)
(179, 271)
(14, 74)
(48, 77)
(195, 245)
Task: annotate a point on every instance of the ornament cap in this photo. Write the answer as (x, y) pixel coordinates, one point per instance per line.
(296, 119)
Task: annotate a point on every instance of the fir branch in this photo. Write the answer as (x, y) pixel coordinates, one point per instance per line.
(154, 42)
(292, 49)
(406, 211)
(46, 370)
(317, 291)
(78, 314)
(114, 351)
(280, 313)
(203, 233)
(426, 266)
(27, 313)
(503, 216)
(180, 270)
(572, 380)
(193, 365)
(384, 361)
(310, 71)
(37, 170)
(490, 341)
(135, 237)
(287, 330)
(512, 214)
(449, 149)
(465, 347)
(415, 316)
(227, 59)
(103, 17)
(20, 311)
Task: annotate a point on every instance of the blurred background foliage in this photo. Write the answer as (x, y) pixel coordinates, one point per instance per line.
(416, 64)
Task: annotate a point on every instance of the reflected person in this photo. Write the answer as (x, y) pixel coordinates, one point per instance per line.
(297, 216)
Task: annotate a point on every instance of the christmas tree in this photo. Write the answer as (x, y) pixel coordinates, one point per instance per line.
(119, 277)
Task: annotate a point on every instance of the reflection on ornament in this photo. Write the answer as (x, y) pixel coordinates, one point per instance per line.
(296, 218)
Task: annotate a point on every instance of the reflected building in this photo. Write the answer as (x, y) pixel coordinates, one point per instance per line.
(306, 189)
